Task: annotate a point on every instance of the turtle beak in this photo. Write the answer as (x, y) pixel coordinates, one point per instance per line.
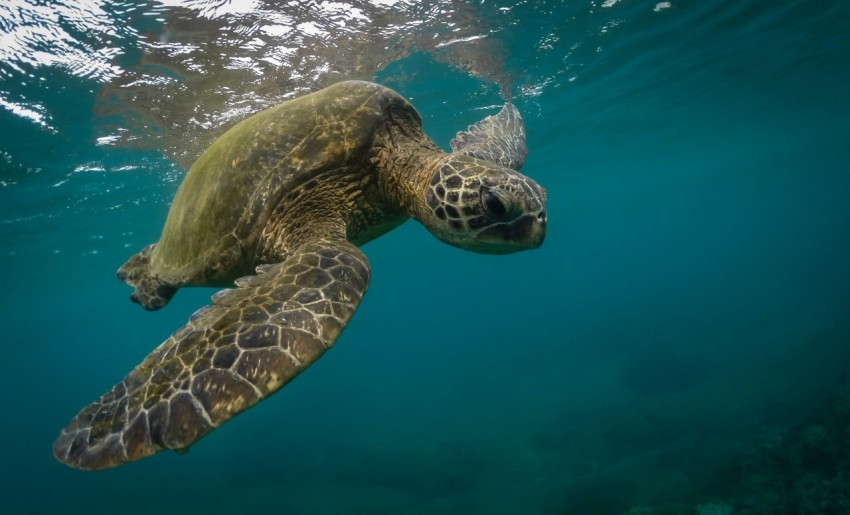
(529, 231)
(524, 233)
(537, 230)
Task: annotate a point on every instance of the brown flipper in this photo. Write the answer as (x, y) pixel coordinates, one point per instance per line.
(245, 346)
(149, 291)
(499, 139)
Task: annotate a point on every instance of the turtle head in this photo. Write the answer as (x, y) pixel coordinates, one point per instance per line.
(483, 207)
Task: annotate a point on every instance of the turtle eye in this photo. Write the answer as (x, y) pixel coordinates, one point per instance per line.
(493, 204)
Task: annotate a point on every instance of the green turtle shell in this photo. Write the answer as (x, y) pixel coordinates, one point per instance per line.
(229, 193)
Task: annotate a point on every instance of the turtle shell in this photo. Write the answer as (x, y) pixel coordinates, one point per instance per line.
(229, 193)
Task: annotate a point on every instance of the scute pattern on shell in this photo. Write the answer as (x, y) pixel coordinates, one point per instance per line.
(237, 183)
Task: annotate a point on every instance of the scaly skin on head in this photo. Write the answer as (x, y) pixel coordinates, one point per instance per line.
(464, 201)
(467, 202)
(404, 157)
(483, 207)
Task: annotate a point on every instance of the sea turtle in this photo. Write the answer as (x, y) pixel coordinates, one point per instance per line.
(288, 195)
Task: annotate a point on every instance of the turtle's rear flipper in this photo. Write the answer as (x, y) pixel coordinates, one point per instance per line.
(150, 292)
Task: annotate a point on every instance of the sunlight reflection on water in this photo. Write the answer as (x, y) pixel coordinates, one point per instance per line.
(172, 68)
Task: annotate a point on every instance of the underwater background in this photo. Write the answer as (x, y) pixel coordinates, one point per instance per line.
(679, 345)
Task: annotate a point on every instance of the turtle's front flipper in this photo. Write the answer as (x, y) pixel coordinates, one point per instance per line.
(245, 346)
(499, 139)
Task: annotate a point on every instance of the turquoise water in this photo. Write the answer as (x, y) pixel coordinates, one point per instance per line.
(678, 345)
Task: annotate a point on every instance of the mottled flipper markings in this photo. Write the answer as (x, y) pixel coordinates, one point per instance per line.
(149, 291)
(245, 346)
(499, 139)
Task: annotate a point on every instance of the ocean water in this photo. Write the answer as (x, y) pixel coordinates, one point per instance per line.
(679, 345)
